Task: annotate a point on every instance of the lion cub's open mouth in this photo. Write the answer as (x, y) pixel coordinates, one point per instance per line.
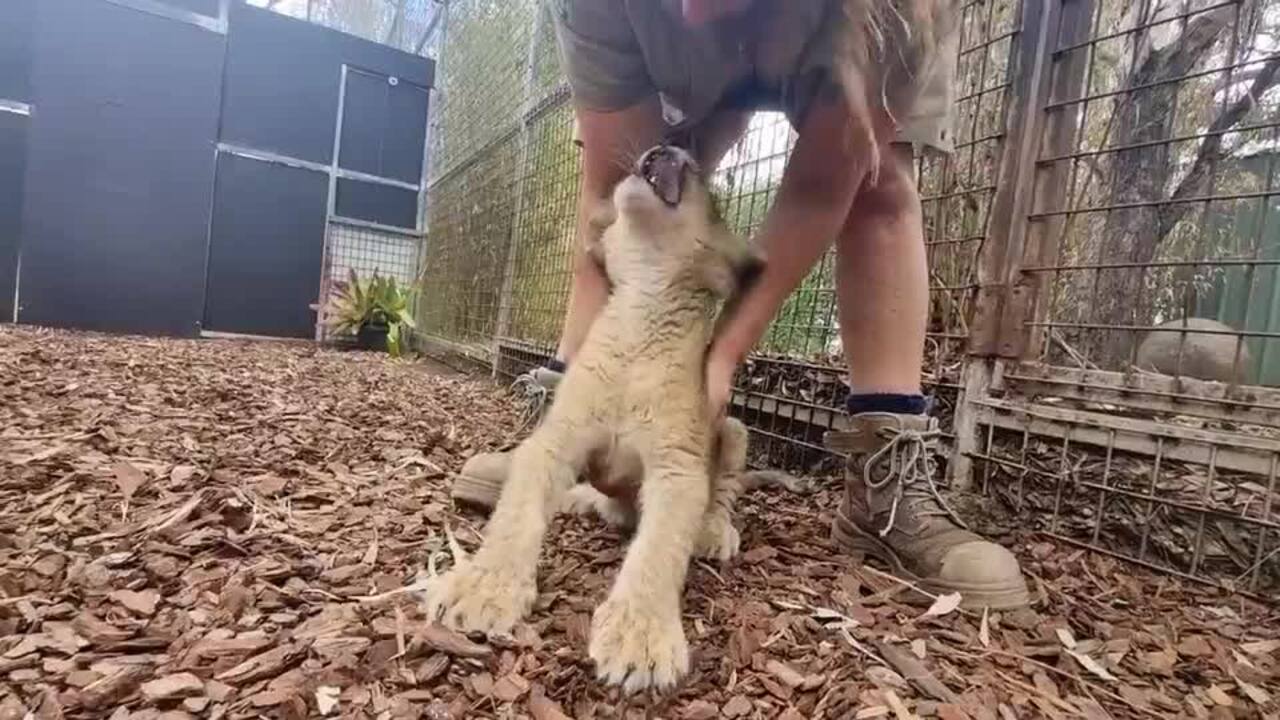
(663, 167)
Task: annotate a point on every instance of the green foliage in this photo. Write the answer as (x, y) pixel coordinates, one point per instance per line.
(376, 300)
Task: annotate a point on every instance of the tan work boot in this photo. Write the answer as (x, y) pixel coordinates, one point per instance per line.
(480, 481)
(892, 511)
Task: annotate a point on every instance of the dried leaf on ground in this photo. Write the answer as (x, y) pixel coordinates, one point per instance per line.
(128, 479)
(914, 671)
(327, 699)
(944, 605)
(178, 685)
(294, 495)
(140, 602)
(1092, 665)
(438, 637)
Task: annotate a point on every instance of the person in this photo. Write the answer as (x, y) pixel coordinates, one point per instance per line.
(645, 71)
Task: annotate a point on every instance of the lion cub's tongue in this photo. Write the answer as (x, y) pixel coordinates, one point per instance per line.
(666, 176)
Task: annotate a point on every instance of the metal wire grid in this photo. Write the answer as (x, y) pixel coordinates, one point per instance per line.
(469, 218)
(481, 78)
(1203, 511)
(368, 251)
(398, 23)
(1161, 218)
(957, 191)
(1157, 205)
(544, 232)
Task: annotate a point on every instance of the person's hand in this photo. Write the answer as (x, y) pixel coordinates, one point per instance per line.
(720, 372)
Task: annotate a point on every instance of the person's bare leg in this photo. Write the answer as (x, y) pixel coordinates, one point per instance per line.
(890, 510)
(610, 141)
(882, 282)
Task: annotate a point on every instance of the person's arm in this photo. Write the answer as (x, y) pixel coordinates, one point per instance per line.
(826, 168)
(608, 139)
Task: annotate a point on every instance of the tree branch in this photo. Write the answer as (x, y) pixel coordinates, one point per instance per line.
(1211, 149)
(396, 21)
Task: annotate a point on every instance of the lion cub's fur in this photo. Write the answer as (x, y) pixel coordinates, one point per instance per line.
(636, 389)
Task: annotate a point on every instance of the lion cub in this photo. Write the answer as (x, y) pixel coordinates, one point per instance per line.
(636, 389)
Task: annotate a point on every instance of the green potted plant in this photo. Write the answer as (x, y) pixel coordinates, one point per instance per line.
(374, 309)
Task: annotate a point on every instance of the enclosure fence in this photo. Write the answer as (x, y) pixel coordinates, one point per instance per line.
(1104, 334)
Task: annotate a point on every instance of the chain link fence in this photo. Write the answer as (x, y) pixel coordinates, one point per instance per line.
(406, 25)
(1111, 187)
(505, 180)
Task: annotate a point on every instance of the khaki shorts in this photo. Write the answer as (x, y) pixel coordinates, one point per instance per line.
(619, 52)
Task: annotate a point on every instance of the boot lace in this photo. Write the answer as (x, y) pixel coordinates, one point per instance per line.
(908, 454)
(532, 397)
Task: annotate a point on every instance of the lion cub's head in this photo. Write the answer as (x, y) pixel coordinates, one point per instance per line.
(667, 231)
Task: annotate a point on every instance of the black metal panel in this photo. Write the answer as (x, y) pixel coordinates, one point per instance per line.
(383, 127)
(15, 49)
(406, 133)
(13, 151)
(266, 247)
(119, 169)
(202, 7)
(364, 120)
(283, 77)
(377, 203)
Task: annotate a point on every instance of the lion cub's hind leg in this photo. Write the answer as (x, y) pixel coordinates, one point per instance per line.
(584, 499)
(718, 538)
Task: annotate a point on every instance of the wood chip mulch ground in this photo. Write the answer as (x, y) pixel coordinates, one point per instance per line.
(225, 529)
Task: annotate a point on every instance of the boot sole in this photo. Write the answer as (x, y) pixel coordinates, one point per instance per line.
(973, 596)
(475, 492)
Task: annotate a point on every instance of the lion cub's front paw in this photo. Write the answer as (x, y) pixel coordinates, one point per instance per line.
(638, 645)
(484, 597)
(718, 539)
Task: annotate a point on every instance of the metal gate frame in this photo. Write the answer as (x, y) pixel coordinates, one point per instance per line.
(1085, 415)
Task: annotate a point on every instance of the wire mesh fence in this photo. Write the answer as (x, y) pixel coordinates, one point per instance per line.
(402, 24)
(368, 251)
(1112, 174)
(502, 93)
(1127, 421)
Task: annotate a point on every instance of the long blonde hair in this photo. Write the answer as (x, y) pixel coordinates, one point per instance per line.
(882, 48)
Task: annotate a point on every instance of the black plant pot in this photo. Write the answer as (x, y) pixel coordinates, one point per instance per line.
(372, 336)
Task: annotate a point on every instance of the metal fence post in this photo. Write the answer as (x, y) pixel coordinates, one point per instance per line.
(505, 300)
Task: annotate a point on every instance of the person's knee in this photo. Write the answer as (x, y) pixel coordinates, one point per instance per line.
(885, 218)
(895, 193)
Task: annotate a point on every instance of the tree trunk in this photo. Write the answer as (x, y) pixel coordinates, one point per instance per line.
(1133, 232)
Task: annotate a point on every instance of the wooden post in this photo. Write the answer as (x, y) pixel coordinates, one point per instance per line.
(1027, 68)
(1047, 185)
